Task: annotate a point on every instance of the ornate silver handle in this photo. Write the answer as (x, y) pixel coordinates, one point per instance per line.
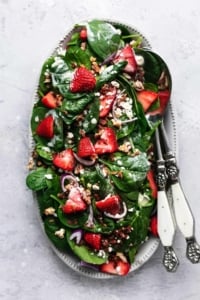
(170, 260)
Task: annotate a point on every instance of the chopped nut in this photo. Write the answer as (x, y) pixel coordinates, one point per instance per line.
(30, 165)
(60, 233)
(138, 85)
(121, 256)
(50, 211)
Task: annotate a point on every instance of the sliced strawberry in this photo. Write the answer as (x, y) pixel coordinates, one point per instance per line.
(127, 54)
(74, 203)
(85, 147)
(107, 98)
(111, 204)
(45, 127)
(154, 225)
(83, 81)
(93, 239)
(152, 183)
(107, 142)
(164, 99)
(117, 268)
(146, 98)
(64, 160)
(83, 35)
(49, 100)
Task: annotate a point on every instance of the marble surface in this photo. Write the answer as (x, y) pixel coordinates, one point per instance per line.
(29, 30)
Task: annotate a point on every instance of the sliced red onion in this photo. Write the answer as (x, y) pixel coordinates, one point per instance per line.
(90, 220)
(117, 216)
(109, 58)
(91, 266)
(83, 161)
(77, 235)
(70, 177)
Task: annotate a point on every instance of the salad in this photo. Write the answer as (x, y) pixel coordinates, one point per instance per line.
(92, 166)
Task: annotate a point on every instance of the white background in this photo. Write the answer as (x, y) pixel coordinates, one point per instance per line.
(29, 30)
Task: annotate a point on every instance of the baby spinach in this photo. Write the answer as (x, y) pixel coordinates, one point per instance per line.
(76, 106)
(36, 180)
(91, 119)
(103, 38)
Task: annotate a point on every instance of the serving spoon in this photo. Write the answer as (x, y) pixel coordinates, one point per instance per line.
(167, 170)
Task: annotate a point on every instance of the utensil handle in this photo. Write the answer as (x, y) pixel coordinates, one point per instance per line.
(166, 226)
(182, 211)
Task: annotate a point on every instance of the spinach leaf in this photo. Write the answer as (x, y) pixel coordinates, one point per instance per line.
(73, 220)
(77, 56)
(110, 73)
(134, 163)
(44, 152)
(105, 227)
(44, 87)
(103, 38)
(85, 253)
(51, 225)
(36, 180)
(128, 180)
(76, 106)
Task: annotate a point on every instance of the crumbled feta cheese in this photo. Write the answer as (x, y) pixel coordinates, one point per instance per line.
(37, 119)
(48, 176)
(95, 187)
(46, 149)
(94, 121)
(101, 253)
(70, 135)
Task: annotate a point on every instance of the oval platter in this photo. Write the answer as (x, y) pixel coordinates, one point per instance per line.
(149, 247)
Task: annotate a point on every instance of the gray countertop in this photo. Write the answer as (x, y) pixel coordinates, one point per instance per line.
(29, 30)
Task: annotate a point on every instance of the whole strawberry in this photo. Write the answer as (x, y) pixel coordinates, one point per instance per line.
(82, 81)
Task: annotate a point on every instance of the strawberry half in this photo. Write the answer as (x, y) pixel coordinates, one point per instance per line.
(164, 98)
(146, 98)
(49, 100)
(110, 205)
(107, 142)
(74, 203)
(45, 127)
(85, 147)
(106, 100)
(64, 160)
(127, 54)
(152, 184)
(82, 81)
(93, 240)
(117, 268)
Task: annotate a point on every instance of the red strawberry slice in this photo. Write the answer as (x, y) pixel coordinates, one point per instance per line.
(106, 100)
(146, 98)
(111, 204)
(154, 225)
(127, 54)
(64, 160)
(83, 81)
(45, 127)
(74, 203)
(117, 268)
(85, 147)
(164, 98)
(49, 100)
(107, 142)
(93, 239)
(152, 183)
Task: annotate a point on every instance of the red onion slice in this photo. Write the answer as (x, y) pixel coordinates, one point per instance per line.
(84, 162)
(117, 216)
(70, 177)
(91, 266)
(77, 235)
